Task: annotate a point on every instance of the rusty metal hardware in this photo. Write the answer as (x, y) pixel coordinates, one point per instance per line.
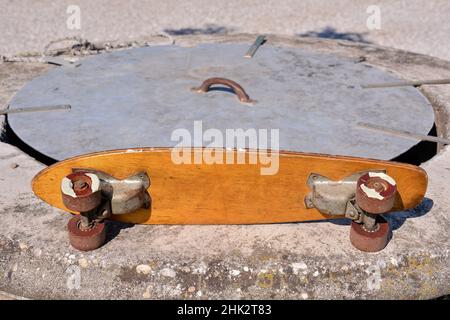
(375, 193)
(334, 197)
(81, 191)
(62, 62)
(255, 46)
(36, 109)
(98, 195)
(338, 198)
(405, 84)
(126, 195)
(401, 133)
(240, 92)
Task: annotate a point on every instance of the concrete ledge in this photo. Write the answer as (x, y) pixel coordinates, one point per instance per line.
(283, 261)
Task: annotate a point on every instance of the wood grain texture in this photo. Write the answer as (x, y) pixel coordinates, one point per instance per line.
(226, 193)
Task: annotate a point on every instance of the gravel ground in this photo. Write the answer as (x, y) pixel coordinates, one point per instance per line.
(415, 25)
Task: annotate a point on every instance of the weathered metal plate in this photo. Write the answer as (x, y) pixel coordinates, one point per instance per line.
(138, 97)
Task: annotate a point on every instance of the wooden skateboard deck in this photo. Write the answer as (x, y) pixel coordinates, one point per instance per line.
(227, 193)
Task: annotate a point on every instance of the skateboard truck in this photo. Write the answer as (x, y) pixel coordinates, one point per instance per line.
(361, 197)
(97, 196)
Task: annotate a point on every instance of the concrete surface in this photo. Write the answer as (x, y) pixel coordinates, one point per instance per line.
(284, 261)
(415, 25)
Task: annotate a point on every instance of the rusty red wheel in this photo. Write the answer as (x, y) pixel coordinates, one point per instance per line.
(81, 191)
(375, 192)
(370, 241)
(86, 240)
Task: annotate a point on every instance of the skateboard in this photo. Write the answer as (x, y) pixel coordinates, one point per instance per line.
(145, 186)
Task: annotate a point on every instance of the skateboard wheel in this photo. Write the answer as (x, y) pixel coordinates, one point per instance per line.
(81, 191)
(375, 192)
(86, 240)
(370, 241)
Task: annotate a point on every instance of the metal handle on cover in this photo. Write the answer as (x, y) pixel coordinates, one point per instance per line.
(240, 92)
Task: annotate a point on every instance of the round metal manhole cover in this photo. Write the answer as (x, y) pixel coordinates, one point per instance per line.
(139, 97)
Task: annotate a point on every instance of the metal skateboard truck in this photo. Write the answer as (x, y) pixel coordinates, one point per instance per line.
(361, 197)
(97, 196)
